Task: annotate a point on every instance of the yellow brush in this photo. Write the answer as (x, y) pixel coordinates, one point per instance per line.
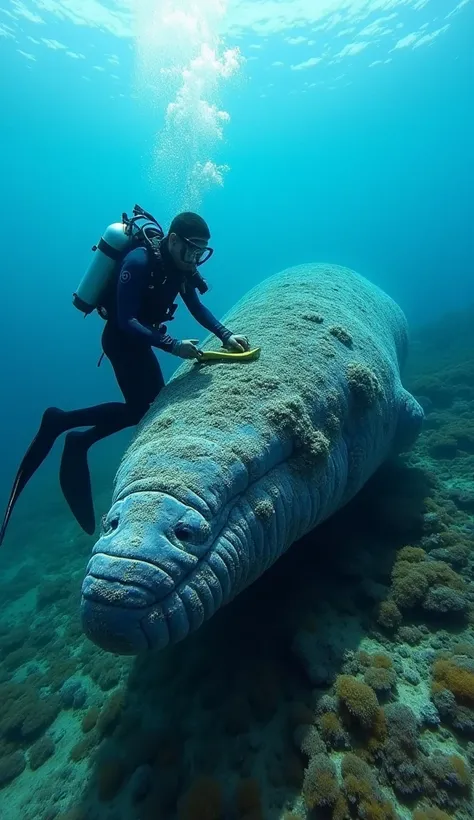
(226, 356)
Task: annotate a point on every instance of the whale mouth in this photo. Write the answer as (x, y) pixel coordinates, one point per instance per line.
(127, 618)
(112, 611)
(114, 630)
(107, 590)
(121, 608)
(122, 628)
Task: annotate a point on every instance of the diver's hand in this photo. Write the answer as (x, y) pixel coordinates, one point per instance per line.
(237, 343)
(186, 349)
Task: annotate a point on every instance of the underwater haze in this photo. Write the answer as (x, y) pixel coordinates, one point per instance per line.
(303, 131)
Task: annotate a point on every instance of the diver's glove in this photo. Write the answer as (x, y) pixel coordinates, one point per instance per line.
(186, 349)
(237, 343)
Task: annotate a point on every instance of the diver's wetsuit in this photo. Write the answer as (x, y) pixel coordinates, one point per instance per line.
(136, 306)
(141, 302)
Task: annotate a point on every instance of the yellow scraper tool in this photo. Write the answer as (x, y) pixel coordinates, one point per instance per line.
(226, 356)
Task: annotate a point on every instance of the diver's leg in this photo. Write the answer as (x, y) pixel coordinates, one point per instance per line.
(136, 368)
(140, 379)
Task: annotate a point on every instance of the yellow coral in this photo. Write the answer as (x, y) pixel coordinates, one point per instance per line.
(353, 764)
(357, 789)
(377, 810)
(321, 789)
(372, 749)
(430, 813)
(341, 809)
(358, 698)
(462, 771)
(460, 682)
(380, 680)
(381, 661)
(360, 788)
(330, 726)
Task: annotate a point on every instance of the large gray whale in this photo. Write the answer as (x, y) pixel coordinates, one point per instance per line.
(235, 462)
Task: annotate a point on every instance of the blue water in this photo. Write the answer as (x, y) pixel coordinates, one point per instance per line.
(336, 131)
(364, 159)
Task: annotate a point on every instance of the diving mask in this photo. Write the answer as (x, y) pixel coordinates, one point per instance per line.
(191, 253)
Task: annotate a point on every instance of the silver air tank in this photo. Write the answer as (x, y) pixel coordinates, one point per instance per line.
(112, 246)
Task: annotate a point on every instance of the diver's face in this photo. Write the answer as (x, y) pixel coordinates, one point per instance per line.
(187, 252)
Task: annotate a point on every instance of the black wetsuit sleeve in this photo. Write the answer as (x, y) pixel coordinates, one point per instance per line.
(131, 286)
(203, 315)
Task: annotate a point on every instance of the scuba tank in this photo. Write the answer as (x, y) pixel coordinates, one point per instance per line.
(116, 241)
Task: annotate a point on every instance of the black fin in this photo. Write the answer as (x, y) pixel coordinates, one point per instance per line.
(50, 428)
(75, 481)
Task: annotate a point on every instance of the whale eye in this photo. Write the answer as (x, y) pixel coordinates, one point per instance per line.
(183, 531)
(109, 524)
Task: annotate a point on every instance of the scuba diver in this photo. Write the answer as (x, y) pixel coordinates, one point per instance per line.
(133, 280)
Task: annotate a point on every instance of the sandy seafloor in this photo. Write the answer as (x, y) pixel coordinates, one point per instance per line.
(341, 685)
